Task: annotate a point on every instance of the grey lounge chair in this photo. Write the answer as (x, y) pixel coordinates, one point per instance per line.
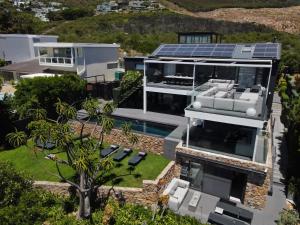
(137, 159)
(47, 145)
(122, 154)
(106, 151)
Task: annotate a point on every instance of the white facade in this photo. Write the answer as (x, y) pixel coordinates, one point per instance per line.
(16, 48)
(86, 59)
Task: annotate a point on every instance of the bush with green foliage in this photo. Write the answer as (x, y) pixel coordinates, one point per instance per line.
(70, 14)
(44, 92)
(288, 217)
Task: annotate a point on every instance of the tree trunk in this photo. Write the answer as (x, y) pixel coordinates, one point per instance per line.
(84, 199)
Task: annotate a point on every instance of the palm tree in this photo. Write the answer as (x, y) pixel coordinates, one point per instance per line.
(16, 138)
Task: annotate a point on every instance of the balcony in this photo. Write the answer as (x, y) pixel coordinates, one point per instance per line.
(224, 97)
(56, 61)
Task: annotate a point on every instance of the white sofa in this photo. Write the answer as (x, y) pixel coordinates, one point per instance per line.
(177, 190)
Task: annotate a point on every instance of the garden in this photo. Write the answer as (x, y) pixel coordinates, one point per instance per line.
(40, 168)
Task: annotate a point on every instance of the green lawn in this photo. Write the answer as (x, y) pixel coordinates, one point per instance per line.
(43, 169)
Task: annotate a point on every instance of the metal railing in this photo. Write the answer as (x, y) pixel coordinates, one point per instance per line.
(65, 61)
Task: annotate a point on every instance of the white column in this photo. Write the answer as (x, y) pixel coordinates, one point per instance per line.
(188, 133)
(145, 93)
(256, 143)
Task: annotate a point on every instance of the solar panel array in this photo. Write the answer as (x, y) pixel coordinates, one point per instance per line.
(196, 50)
(267, 50)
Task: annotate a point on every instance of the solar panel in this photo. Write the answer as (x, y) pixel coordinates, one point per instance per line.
(261, 50)
(266, 50)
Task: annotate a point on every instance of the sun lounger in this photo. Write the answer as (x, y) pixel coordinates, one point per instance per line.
(236, 212)
(122, 154)
(137, 159)
(47, 145)
(218, 219)
(106, 151)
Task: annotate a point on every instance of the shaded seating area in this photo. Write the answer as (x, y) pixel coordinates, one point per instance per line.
(135, 160)
(107, 151)
(122, 154)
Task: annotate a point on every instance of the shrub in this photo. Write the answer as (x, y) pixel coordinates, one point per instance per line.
(12, 185)
(44, 92)
(288, 217)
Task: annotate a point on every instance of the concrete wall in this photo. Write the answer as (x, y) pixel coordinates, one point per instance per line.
(20, 48)
(96, 60)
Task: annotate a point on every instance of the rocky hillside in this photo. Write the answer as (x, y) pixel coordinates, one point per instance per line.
(281, 19)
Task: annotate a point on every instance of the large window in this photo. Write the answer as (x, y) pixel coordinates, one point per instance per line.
(112, 65)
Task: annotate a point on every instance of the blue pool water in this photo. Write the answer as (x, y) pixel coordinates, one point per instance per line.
(146, 127)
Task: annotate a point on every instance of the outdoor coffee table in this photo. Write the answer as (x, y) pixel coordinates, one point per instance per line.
(194, 200)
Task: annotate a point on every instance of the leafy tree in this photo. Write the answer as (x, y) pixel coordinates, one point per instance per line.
(44, 92)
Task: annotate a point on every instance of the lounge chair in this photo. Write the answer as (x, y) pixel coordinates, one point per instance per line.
(106, 151)
(47, 145)
(137, 159)
(122, 154)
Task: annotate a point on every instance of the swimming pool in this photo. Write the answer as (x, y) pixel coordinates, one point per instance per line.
(145, 127)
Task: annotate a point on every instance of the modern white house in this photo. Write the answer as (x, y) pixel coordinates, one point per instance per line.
(225, 91)
(15, 48)
(85, 59)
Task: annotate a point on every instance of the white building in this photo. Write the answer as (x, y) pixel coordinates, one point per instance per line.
(86, 59)
(16, 48)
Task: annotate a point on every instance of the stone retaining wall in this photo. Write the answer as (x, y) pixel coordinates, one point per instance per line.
(147, 195)
(146, 142)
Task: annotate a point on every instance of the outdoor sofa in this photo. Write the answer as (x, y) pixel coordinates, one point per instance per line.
(137, 158)
(218, 219)
(47, 145)
(107, 151)
(122, 154)
(177, 190)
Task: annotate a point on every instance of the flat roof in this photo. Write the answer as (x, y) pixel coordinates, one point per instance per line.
(70, 45)
(221, 51)
(27, 35)
(31, 66)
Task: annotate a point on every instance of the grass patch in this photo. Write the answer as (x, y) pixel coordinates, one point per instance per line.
(24, 159)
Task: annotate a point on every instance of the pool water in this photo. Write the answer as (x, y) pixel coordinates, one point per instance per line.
(146, 127)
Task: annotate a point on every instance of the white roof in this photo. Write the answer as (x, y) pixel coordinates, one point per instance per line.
(70, 45)
(33, 75)
(27, 35)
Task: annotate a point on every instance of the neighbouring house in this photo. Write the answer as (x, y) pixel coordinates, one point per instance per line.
(199, 37)
(15, 48)
(136, 5)
(134, 63)
(85, 59)
(225, 91)
(111, 6)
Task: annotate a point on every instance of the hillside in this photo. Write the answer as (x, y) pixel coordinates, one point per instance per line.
(281, 19)
(143, 31)
(207, 5)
